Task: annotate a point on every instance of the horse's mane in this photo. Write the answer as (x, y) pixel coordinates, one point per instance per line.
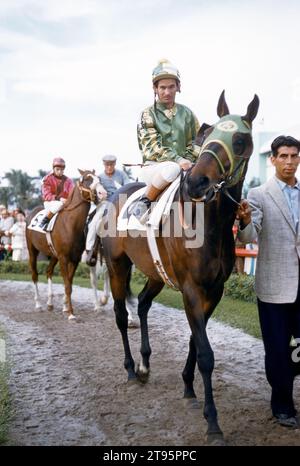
(70, 198)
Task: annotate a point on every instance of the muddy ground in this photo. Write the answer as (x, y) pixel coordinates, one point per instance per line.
(69, 387)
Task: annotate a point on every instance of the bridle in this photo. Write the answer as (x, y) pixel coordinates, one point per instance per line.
(222, 135)
(87, 194)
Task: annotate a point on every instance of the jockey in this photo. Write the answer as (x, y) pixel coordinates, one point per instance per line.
(56, 187)
(111, 180)
(165, 136)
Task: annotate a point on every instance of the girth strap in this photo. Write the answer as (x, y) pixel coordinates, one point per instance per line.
(156, 257)
(50, 243)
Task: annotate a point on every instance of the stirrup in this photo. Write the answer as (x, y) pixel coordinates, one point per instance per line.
(91, 260)
(140, 208)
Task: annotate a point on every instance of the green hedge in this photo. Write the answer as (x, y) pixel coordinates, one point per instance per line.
(23, 267)
(240, 286)
(237, 287)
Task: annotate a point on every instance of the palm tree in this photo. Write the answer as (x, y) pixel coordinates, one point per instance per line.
(23, 189)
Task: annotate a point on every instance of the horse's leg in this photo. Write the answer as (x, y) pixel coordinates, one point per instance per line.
(68, 269)
(205, 360)
(188, 375)
(118, 275)
(131, 303)
(150, 290)
(104, 297)
(33, 253)
(49, 272)
(93, 280)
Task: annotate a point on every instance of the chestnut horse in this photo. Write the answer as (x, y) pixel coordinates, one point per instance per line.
(214, 183)
(67, 237)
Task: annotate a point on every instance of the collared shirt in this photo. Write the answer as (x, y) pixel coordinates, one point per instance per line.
(291, 194)
(113, 182)
(168, 134)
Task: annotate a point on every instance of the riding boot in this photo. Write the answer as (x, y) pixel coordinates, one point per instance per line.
(45, 220)
(91, 257)
(142, 205)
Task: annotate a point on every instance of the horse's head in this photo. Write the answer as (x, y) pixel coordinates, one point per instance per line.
(225, 151)
(90, 188)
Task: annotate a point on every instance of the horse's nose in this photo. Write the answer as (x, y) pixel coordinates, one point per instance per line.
(198, 187)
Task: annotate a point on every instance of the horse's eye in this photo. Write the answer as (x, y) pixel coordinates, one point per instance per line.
(239, 146)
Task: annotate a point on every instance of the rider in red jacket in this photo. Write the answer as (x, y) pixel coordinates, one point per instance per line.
(55, 190)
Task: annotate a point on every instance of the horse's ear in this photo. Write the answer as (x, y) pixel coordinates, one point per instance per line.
(80, 171)
(252, 110)
(222, 108)
(93, 172)
(201, 134)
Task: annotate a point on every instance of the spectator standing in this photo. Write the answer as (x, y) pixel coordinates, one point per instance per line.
(6, 222)
(17, 233)
(272, 215)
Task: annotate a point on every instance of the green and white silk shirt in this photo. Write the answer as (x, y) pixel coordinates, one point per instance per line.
(168, 134)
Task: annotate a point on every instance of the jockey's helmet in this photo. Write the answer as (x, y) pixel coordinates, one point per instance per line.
(58, 162)
(165, 70)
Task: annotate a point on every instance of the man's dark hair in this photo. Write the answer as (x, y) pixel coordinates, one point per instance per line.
(280, 141)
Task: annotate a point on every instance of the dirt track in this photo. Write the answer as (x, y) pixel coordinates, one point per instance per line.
(69, 387)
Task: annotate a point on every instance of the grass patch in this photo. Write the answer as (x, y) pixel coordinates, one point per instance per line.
(4, 394)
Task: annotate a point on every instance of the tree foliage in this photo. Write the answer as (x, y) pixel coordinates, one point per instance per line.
(22, 190)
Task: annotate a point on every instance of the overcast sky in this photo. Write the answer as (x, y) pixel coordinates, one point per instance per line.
(76, 74)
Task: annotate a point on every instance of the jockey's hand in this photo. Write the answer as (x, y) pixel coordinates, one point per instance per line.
(185, 164)
(102, 194)
(63, 200)
(244, 213)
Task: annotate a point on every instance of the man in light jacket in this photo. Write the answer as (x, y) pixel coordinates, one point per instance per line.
(272, 216)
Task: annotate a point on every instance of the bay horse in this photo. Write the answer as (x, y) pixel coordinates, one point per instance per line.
(67, 237)
(215, 180)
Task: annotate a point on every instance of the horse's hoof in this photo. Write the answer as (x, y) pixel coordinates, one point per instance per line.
(104, 300)
(133, 324)
(65, 309)
(143, 374)
(215, 439)
(50, 307)
(71, 317)
(192, 403)
(38, 307)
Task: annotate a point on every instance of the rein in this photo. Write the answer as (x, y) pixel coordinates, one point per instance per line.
(81, 189)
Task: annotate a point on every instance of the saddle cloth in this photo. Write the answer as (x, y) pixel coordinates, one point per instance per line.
(160, 210)
(36, 220)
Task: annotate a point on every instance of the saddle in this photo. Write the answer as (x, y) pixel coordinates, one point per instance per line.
(36, 220)
(158, 215)
(160, 209)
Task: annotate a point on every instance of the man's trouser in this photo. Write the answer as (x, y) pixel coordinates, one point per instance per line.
(93, 226)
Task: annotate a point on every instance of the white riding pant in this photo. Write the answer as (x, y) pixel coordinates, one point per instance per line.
(53, 206)
(94, 225)
(159, 174)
